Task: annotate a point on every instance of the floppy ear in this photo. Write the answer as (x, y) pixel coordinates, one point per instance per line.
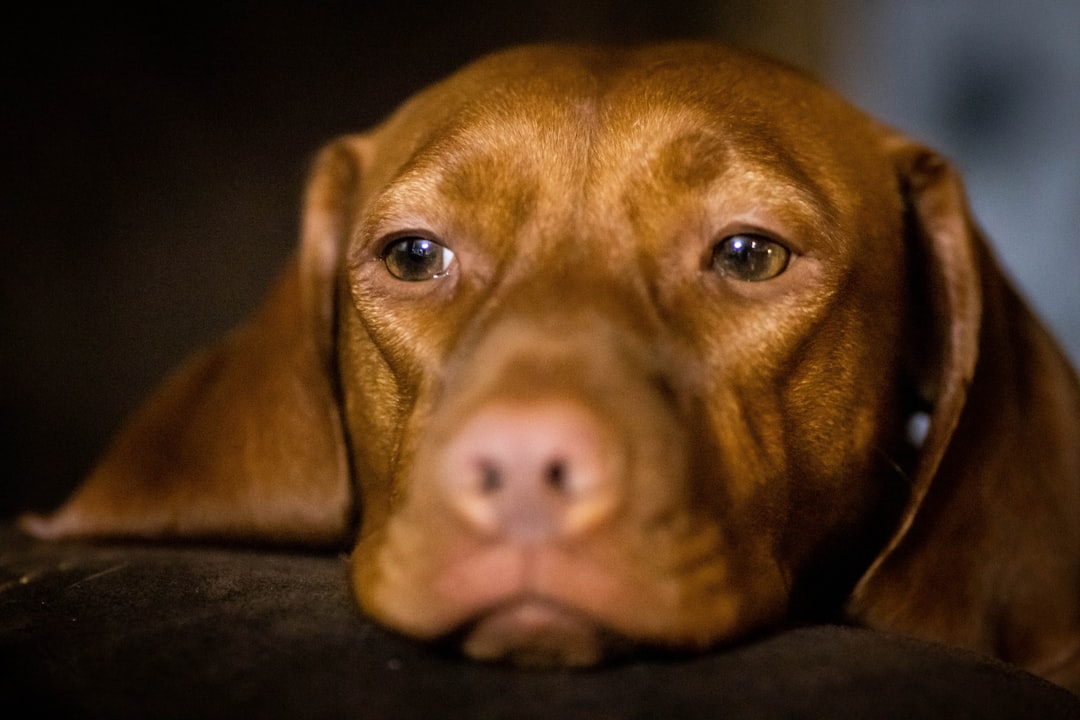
(987, 552)
(245, 440)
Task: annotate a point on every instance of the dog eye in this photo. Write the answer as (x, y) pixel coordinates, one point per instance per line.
(750, 257)
(415, 259)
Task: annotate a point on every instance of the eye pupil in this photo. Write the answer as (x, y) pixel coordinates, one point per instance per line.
(415, 259)
(751, 258)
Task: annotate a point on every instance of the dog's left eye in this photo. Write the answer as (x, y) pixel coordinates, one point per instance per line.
(750, 257)
(415, 259)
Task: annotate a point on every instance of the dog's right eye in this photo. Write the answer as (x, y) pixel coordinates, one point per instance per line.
(415, 259)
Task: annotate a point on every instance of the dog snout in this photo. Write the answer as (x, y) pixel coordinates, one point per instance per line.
(533, 471)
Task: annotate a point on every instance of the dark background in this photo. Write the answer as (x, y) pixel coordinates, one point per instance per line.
(153, 162)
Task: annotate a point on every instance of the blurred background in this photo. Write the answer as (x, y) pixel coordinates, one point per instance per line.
(153, 159)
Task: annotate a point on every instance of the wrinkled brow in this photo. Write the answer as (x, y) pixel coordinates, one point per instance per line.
(696, 160)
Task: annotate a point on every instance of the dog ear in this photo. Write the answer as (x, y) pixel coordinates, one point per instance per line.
(987, 551)
(245, 440)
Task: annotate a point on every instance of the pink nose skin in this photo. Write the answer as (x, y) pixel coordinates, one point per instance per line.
(533, 472)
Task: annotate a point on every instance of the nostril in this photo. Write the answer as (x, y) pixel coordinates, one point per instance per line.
(491, 480)
(555, 475)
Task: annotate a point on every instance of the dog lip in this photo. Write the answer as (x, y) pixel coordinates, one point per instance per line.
(537, 632)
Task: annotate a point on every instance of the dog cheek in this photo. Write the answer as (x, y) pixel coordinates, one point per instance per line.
(842, 441)
(372, 401)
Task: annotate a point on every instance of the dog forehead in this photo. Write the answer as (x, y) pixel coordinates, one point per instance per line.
(632, 92)
(516, 128)
(724, 86)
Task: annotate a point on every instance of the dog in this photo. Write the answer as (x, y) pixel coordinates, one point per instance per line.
(586, 350)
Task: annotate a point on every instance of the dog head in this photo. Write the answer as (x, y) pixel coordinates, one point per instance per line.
(622, 347)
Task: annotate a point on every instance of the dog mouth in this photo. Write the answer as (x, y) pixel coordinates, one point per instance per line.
(540, 633)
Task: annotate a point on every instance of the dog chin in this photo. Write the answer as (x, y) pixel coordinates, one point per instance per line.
(538, 633)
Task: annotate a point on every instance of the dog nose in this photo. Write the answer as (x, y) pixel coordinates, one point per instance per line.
(531, 472)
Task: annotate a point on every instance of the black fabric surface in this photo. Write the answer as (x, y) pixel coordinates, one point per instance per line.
(150, 631)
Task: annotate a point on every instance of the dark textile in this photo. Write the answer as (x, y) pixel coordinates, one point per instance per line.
(149, 631)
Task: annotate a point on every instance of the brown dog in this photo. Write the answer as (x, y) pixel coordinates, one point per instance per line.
(624, 348)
